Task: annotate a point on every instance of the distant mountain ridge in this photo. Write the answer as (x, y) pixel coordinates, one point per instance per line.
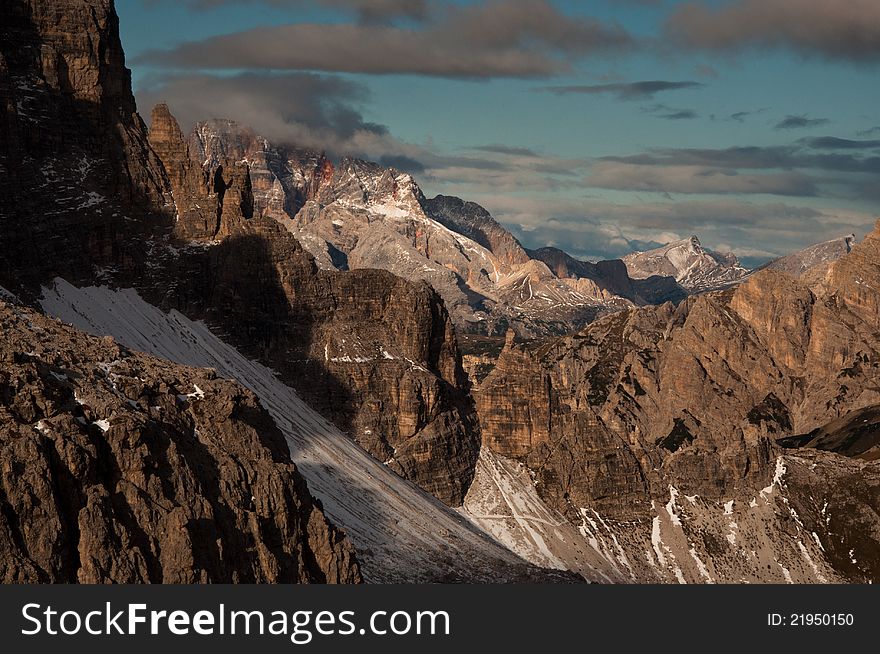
(357, 214)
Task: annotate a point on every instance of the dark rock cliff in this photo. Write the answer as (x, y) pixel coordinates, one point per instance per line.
(79, 185)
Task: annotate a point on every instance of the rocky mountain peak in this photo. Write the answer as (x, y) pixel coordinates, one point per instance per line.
(366, 336)
(471, 220)
(694, 267)
(358, 214)
(855, 278)
(363, 183)
(283, 177)
(812, 263)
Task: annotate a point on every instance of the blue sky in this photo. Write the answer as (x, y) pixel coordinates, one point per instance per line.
(600, 168)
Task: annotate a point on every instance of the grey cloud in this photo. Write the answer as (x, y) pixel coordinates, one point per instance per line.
(839, 29)
(512, 38)
(402, 162)
(641, 3)
(800, 122)
(668, 113)
(740, 116)
(834, 143)
(645, 90)
(684, 114)
(367, 10)
(697, 180)
(506, 150)
(323, 113)
(379, 10)
(307, 110)
(786, 157)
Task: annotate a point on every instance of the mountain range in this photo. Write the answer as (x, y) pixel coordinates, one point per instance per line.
(227, 360)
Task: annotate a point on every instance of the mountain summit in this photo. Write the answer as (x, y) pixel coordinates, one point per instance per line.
(694, 267)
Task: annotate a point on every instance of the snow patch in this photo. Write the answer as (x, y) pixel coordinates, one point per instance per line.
(197, 394)
(777, 477)
(809, 559)
(672, 505)
(704, 572)
(92, 199)
(785, 573)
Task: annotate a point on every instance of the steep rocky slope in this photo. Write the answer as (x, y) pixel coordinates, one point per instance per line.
(123, 468)
(694, 267)
(206, 252)
(401, 533)
(692, 397)
(76, 136)
(814, 522)
(855, 434)
(473, 221)
(643, 447)
(90, 200)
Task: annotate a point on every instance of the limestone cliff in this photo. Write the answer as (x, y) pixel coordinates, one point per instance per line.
(694, 395)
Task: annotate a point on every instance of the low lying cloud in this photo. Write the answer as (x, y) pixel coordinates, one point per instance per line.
(496, 148)
(834, 29)
(668, 113)
(684, 114)
(626, 91)
(800, 122)
(311, 111)
(741, 116)
(784, 157)
(323, 113)
(834, 143)
(697, 179)
(502, 38)
(595, 229)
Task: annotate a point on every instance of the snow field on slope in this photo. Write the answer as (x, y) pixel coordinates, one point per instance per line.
(402, 534)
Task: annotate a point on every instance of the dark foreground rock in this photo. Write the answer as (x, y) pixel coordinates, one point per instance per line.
(117, 467)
